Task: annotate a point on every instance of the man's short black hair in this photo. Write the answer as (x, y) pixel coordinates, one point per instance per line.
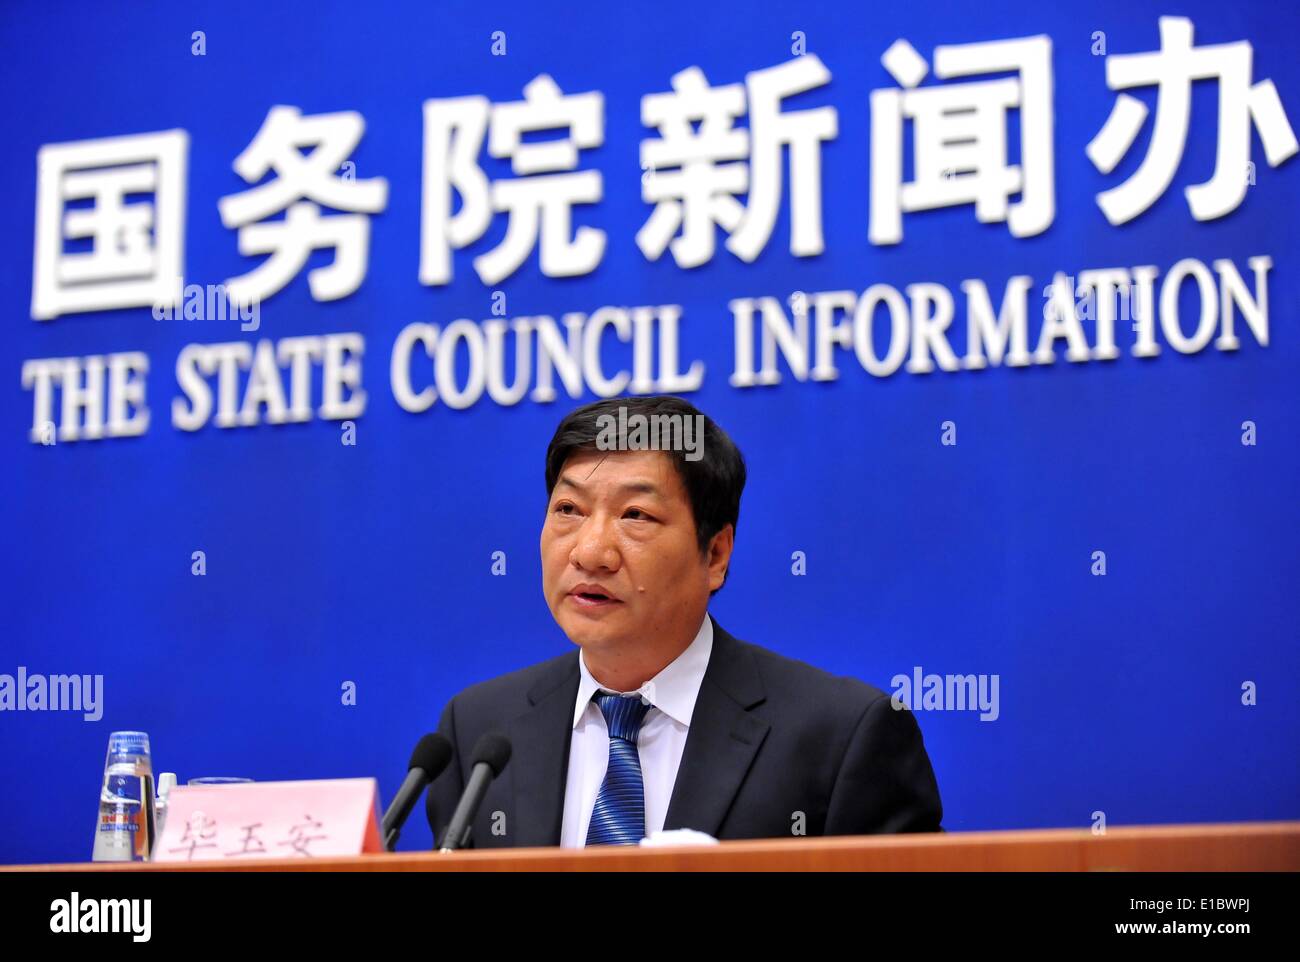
(714, 480)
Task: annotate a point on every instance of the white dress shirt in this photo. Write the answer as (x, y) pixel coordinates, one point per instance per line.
(671, 694)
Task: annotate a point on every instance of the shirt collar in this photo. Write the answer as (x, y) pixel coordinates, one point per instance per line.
(673, 691)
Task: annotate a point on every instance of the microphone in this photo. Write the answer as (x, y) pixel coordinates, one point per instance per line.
(491, 753)
(430, 757)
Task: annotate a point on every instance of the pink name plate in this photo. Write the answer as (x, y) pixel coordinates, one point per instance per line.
(259, 820)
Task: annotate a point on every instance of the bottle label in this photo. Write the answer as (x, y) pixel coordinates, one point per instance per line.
(124, 788)
(118, 822)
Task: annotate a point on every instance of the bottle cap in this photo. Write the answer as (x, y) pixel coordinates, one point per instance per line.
(166, 782)
(128, 743)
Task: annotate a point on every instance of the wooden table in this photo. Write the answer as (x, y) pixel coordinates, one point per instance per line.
(1248, 846)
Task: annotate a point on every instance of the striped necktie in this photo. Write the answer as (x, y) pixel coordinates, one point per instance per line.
(619, 815)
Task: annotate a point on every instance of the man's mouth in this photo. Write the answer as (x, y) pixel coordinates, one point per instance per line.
(592, 596)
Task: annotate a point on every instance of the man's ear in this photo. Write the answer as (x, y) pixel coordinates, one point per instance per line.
(718, 556)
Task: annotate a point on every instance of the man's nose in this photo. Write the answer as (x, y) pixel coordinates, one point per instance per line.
(596, 547)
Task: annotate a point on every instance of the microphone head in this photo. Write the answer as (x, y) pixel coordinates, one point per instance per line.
(493, 748)
(432, 754)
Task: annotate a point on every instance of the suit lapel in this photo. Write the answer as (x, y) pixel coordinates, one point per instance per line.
(540, 758)
(722, 741)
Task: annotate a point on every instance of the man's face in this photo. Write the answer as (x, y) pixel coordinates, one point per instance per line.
(620, 562)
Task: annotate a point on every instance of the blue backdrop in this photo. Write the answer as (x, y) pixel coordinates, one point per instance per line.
(372, 562)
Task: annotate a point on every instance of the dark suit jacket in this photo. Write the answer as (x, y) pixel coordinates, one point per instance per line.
(770, 737)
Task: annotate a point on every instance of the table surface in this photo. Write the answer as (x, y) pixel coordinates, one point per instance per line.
(1244, 846)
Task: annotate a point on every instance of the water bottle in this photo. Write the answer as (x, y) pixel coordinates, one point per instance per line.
(125, 830)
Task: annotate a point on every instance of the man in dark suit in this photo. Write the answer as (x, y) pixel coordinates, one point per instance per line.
(661, 719)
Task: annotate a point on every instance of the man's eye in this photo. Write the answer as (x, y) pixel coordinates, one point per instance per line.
(564, 508)
(636, 514)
